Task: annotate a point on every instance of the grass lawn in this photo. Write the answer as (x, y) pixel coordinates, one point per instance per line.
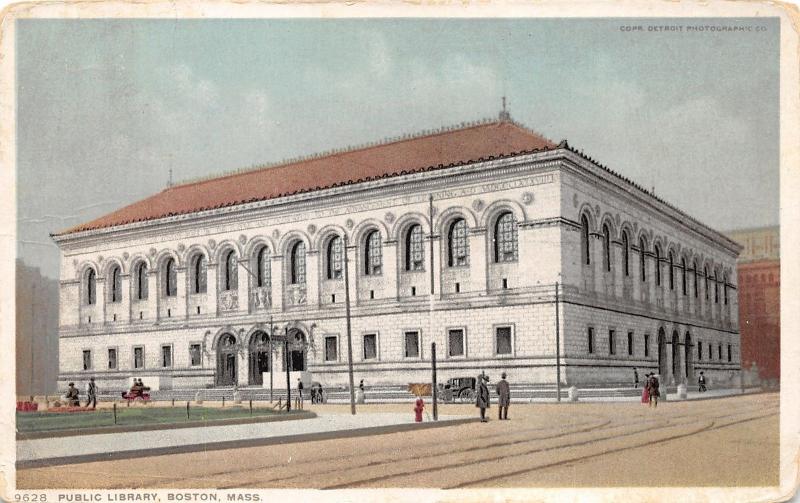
(44, 421)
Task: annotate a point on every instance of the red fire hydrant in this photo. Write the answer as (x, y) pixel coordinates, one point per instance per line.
(420, 406)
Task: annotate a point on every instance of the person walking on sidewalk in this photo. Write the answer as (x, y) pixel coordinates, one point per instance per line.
(299, 400)
(701, 383)
(652, 384)
(504, 397)
(91, 391)
(482, 396)
(635, 378)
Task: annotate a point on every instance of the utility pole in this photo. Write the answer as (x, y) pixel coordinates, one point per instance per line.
(286, 358)
(558, 352)
(349, 331)
(434, 390)
(33, 334)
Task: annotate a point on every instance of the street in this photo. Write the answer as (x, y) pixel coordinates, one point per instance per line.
(719, 442)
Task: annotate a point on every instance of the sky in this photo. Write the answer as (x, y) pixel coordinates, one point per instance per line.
(106, 108)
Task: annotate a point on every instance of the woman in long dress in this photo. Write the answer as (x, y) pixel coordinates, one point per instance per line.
(646, 390)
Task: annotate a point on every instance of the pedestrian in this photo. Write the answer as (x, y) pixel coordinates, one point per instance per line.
(654, 393)
(320, 394)
(482, 396)
(72, 396)
(299, 393)
(646, 390)
(504, 397)
(361, 385)
(91, 391)
(701, 383)
(635, 378)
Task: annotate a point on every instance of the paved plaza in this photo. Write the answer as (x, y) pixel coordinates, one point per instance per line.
(731, 441)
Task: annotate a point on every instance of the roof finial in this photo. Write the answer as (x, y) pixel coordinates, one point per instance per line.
(504, 115)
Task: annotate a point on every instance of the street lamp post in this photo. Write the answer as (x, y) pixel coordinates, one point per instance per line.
(349, 334)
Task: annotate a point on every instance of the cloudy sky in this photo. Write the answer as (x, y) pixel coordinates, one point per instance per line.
(106, 108)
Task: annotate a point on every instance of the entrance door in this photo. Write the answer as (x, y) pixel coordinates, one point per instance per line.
(259, 357)
(688, 357)
(226, 361)
(676, 367)
(297, 350)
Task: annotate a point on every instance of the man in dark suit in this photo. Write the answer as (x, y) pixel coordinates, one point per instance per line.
(504, 397)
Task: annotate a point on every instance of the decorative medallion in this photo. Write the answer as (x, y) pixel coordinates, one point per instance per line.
(389, 217)
(276, 234)
(349, 223)
(575, 200)
(477, 205)
(635, 228)
(616, 219)
(75, 262)
(125, 255)
(242, 239)
(597, 211)
(99, 259)
(181, 247)
(212, 244)
(311, 229)
(434, 211)
(152, 252)
(527, 198)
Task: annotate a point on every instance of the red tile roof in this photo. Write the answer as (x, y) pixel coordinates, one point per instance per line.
(432, 151)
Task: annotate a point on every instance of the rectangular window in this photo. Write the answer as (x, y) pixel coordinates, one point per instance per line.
(412, 344)
(112, 358)
(719, 352)
(591, 340)
(138, 357)
(331, 354)
(502, 337)
(370, 346)
(166, 356)
(729, 353)
(630, 343)
(87, 360)
(612, 344)
(710, 352)
(455, 342)
(194, 355)
(699, 350)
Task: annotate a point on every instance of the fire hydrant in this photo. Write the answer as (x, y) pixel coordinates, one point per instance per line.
(420, 406)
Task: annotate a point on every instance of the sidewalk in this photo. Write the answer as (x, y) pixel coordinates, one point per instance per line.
(66, 450)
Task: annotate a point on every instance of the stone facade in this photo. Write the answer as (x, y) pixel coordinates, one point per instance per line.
(505, 232)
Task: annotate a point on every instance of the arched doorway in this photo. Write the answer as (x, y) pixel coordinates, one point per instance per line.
(297, 350)
(687, 360)
(662, 352)
(226, 360)
(676, 368)
(259, 357)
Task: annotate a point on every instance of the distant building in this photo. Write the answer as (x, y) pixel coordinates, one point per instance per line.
(759, 299)
(457, 237)
(36, 332)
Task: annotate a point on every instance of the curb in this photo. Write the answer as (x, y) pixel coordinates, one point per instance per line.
(238, 444)
(38, 435)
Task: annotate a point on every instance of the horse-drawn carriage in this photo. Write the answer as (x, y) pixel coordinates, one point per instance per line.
(460, 389)
(135, 393)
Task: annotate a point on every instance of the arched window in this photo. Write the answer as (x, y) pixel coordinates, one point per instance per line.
(415, 251)
(684, 287)
(585, 255)
(91, 287)
(298, 263)
(170, 278)
(505, 238)
(140, 273)
(457, 244)
(671, 271)
(725, 288)
(372, 254)
(230, 273)
(199, 273)
(606, 248)
(626, 247)
(116, 284)
(716, 289)
(334, 258)
(657, 250)
(263, 278)
(705, 275)
(642, 260)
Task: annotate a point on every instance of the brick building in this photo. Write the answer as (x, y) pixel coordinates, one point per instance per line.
(186, 287)
(759, 271)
